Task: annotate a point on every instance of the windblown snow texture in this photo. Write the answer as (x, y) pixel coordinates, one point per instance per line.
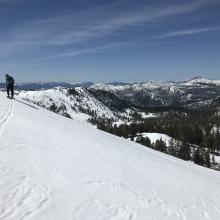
(54, 168)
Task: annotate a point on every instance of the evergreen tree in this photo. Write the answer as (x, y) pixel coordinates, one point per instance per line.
(144, 141)
(197, 157)
(172, 148)
(160, 145)
(213, 159)
(53, 108)
(184, 151)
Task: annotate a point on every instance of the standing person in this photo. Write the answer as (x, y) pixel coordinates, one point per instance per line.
(10, 85)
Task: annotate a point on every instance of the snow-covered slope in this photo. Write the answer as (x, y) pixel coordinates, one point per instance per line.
(81, 105)
(54, 168)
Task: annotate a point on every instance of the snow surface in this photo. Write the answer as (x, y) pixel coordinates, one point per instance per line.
(157, 136)
(149, 115)
(119, 123)
(55, 168)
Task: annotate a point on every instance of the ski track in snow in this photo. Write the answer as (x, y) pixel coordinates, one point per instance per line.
(19, 197)
(4, 118)
(136, 206)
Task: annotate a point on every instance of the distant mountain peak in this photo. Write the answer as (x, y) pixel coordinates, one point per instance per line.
(197, 77)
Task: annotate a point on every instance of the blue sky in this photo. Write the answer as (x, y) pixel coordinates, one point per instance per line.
(117, 40)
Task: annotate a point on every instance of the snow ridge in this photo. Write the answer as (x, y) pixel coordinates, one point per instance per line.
(80, 106)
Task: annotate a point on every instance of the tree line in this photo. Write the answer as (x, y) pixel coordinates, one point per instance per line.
(197, 133)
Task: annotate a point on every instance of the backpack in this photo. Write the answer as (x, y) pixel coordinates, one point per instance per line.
(11, 80)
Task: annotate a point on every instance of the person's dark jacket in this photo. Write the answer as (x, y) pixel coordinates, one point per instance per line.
(10, 80)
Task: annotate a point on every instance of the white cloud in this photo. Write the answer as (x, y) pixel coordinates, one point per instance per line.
(189, 32)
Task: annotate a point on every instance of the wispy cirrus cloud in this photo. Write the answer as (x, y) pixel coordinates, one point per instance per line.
(83, 26)
(105, 23)
(83, 51)
(189, 32)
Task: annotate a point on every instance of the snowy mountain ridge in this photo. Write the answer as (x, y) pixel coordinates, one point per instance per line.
(119, 100)
(195, 93)
(201, 80)
(155, 84)
(78, 103)
(148, 84)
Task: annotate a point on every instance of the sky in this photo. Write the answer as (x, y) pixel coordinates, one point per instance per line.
(109, 40)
